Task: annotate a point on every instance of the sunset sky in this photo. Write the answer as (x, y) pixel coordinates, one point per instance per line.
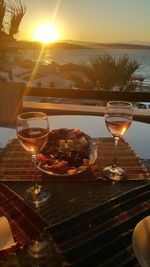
(89, 20)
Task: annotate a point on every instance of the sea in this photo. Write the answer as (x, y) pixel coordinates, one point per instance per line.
(63, 56)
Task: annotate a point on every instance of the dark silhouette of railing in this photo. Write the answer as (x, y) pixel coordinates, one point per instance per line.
(10, 103)
(98, 95)
(89, 94)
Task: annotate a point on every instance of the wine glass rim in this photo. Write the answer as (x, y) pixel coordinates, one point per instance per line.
(119, 102)
(28, 115)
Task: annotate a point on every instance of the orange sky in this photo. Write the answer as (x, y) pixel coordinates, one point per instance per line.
(90, 20)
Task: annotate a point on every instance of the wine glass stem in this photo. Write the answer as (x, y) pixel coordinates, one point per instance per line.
(35, 171)
(115, 152)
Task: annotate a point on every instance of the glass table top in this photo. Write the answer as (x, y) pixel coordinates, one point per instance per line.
(137, 136)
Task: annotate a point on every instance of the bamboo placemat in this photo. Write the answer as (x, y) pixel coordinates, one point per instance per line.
(21, 218)
(102, 236)
(126, 157)
(16, 165)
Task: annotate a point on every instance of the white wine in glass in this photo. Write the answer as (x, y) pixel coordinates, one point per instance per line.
(32, 131)
(118, 118)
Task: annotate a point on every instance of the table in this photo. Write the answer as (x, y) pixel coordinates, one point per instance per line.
(77, 209)
(137, 135)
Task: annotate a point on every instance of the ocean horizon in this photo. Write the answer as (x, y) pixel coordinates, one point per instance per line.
(64, 56)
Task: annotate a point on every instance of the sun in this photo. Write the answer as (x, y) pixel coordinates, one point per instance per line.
(46, 33)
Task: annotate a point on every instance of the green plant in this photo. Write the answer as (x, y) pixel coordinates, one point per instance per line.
(125, 67)
(106, 72)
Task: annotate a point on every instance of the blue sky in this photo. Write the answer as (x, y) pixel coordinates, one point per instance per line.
(90, 20)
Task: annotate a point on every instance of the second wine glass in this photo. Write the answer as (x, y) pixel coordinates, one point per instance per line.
(118, 118)
(33, 131)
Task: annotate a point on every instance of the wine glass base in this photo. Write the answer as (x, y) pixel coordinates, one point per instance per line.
(40, 247)
(36, 195)
(112, 173)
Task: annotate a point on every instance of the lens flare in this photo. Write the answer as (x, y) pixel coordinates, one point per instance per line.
(46, 33)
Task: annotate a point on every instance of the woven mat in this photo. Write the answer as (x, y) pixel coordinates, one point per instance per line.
(102, 236)
(21, 218)
(16, 165)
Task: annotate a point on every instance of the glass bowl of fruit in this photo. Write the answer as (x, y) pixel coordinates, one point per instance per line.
(68, 152)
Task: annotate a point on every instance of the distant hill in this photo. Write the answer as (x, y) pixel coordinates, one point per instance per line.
(70, 44)
(109, 45)
(65, 45)
(124, 46)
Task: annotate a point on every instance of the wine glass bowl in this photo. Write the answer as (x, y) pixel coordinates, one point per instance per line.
(118, 118)
(32, 131)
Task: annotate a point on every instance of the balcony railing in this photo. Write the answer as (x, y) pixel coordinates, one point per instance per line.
(91, 95)
(15, 101)
(88, 94)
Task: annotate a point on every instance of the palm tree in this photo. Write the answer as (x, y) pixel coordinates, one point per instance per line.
(125, 68)
(17, 11)
(106, 72)
(2, 14)
(11, 14)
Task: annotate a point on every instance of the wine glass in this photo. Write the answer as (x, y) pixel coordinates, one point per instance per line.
(118, 118)
(32, 131)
